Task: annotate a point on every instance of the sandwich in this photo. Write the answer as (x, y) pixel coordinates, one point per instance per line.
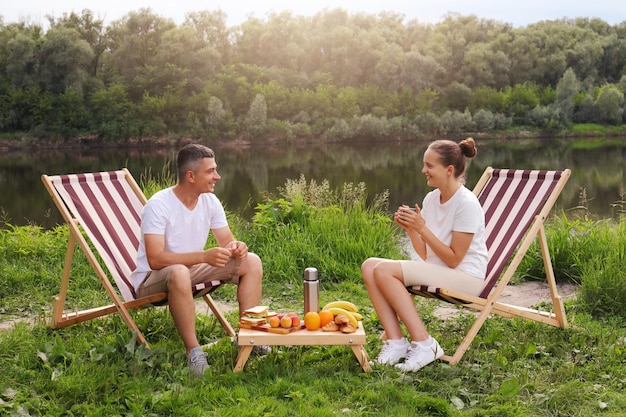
(255, 315)
(256, 312)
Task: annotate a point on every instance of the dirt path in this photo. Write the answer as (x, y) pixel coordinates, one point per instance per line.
(527, 294)
(201, 308)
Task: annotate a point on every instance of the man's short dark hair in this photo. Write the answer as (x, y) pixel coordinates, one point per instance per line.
(189, 158)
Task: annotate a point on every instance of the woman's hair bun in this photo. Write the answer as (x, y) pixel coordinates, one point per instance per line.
(468, 147)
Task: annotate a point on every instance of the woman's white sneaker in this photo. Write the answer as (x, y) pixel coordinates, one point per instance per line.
(393, 351)
(420, 356)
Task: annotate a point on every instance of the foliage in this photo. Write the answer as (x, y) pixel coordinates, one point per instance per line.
(603, 276)
(151, 182)
(589, 253)
(609, 105)
(256, 119)
(289, 76)
(568, 243)
(311, 220)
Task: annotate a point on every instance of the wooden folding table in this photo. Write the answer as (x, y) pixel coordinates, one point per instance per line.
(248, 338)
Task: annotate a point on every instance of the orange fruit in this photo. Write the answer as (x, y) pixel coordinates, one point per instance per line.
(325, 317)
(312, 320)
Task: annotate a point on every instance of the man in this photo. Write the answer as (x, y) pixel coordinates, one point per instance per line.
(175, 225)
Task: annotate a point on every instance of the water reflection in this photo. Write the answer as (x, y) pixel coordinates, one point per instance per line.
(248, 172)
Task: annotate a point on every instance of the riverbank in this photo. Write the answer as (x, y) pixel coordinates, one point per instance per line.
(17, 142)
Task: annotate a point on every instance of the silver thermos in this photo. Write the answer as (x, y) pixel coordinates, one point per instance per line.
(311, 286)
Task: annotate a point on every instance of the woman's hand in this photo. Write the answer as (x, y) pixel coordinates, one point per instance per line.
(409, 218)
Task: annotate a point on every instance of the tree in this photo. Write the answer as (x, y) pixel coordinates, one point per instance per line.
(483, 66)
(91, 30)
(112, 112)
(346, 103)
(67, 115)
(456, 96)
(21, 61)
(609, 105)
(484, 120)
(211, 32)
(486, 98)
(566, 91)
(388, 70)
(64, 60)
(421, 72)
(135, 40)
(256, 119)
(280, 100)
(215, 112)
(426, 101)
(520, 99)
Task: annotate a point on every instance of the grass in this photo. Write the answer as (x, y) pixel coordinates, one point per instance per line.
(513, 368)
(588, 129)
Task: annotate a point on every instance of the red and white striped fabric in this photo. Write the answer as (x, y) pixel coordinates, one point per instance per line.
(109, 211)
(511, 199)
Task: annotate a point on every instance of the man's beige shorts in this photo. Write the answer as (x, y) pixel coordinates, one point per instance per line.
(157, 281)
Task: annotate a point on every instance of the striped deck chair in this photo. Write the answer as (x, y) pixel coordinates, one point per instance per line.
(107, 206)
(516, 204)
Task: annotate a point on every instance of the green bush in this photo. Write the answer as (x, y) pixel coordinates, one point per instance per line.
(571, 242)
(586, 252)
(603, 277)
(311, 225)
(484, 120)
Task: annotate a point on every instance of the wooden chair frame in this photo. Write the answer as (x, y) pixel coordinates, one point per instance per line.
(502, 266)
(119, 189)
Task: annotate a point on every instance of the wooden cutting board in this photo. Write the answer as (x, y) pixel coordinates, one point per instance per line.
(267, 328)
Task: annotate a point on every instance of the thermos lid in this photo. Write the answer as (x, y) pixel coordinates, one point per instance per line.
(310, 274)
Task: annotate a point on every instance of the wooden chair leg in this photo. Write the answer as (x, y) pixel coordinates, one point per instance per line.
(220, 316)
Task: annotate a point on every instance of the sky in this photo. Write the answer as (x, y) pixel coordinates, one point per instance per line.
(518, 13)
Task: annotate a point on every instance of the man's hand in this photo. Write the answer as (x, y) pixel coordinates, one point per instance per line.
(239, 250)
(217, 256)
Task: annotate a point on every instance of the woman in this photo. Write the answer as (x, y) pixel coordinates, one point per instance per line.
(448, 235)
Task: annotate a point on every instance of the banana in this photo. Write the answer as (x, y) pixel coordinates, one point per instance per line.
(346, 305)
(357, 316)
(348, 314)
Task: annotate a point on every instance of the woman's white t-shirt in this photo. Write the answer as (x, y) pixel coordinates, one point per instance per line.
(184, 230)
(461, 213)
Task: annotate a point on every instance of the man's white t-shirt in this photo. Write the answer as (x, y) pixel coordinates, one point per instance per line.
(461, 213)
(184, 230)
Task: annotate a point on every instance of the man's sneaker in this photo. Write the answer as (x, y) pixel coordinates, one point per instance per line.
(197, 362)
(261, 350)
(420, 356)
(392, 352)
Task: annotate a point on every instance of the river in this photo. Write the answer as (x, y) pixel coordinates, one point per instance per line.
(249, 172)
